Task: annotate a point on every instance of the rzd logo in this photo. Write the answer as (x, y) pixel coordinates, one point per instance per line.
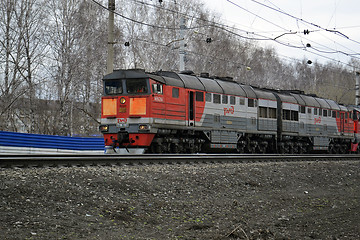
(122, 120)
(229, 110)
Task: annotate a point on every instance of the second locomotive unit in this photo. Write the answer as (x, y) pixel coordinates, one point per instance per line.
(168, 112)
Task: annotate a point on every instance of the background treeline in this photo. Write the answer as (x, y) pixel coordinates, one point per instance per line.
(53, 57)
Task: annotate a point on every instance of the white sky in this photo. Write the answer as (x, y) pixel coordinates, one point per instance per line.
(337, 15)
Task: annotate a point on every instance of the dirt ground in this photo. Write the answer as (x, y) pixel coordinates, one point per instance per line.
(317, 200)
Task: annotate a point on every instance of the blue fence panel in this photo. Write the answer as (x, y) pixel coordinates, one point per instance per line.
(13, 139)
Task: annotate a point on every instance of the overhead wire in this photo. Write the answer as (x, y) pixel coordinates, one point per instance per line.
(226, 28)
(292, 32)
(305, 21)
(142, 23)
(213, 24)
(222, 27)
(319, 30)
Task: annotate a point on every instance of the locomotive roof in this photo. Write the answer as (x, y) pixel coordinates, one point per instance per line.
(121, 74)
(323, 103)
(264, 94)
(287, 98)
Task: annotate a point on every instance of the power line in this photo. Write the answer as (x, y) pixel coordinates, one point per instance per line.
(302, 20)
(212, 24)
(276, 39)
(258, 16)
(143, 23)
(227, 28)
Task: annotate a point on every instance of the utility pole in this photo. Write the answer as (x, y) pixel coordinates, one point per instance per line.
(110, 46)
(182, 45)
(357, 80)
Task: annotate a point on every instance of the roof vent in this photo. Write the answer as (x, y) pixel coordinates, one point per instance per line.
(187, 72)
(204, 75)
(229, 79)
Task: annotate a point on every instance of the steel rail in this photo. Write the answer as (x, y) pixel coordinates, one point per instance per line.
(85, 160)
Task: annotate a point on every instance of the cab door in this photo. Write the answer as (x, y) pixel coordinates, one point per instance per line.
(191, 109)
(342, 122)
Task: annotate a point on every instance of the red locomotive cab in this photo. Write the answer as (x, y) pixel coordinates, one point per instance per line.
(125, 111)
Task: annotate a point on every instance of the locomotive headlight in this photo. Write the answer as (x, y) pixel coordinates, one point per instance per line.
(104, 128)
(122, 100)
(144, 127)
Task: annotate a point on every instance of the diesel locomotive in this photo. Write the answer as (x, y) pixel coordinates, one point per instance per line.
(168, 112)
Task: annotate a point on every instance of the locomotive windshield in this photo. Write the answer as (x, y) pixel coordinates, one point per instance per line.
(135, 86)
(113, 87)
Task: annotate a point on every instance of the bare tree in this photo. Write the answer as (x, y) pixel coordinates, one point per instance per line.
(21, 27)
(78, 40)
(30, 19)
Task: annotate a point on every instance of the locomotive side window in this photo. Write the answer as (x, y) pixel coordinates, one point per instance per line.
(135, 86)
(302, 109)
(272, 112)
(286, 114)
(263, 112)
(199, 96)
(355, 115)
(242, 101)
(157, 88)
(325, 113)
(175, 93)
(216, 98)
(208, 97)
(224, 99)
(315, 111)
(294, 115)
(113, 87)
(309, 111)
(334, 114)
(346, 117)
(251, 102)
(232, 100)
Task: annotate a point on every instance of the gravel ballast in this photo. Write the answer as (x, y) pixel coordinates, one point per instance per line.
(292, 200)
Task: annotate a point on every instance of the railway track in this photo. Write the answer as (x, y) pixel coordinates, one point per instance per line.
(8, 161)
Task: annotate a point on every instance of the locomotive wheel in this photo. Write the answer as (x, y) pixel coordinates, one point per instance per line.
(175, 148)
(262, 147)
(156, 148)
(301, 148)
(281, 148)
(290, 147)
(296, 148)
(240, 147)
(286, 148)
(252, 146)
(342, 149)
(331, 149)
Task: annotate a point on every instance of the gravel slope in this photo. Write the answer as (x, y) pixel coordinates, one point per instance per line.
(317, 200)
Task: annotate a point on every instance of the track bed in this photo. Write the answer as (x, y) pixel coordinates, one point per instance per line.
(261, 200)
